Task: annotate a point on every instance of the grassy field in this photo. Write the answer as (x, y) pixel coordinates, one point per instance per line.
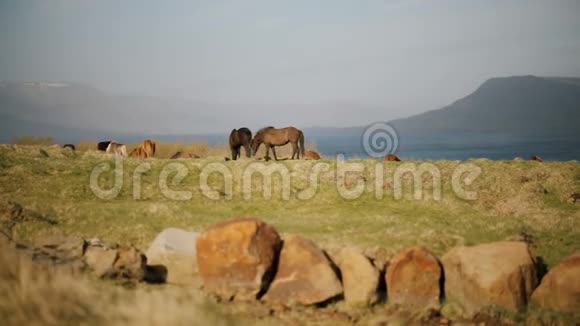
(516, 200)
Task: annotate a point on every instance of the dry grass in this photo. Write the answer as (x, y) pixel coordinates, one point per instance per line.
(41, 295)
(517, 199)
(202, 149)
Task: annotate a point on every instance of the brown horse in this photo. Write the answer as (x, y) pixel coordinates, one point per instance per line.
(392, 157)
(238, 138)
(179, 155)
(272, 137)
(144, 150)
(311, 155)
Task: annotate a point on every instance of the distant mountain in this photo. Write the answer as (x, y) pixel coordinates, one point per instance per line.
(501, 111)
(504, 117)
(519, 107)
(80, 111)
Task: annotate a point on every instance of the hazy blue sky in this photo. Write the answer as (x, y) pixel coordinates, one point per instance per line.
(357, 61)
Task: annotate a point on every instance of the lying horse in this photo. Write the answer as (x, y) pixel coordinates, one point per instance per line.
(272, 137)
(71, 146)
(238, 138)
(117, 149)
(179, 155)
(311, 155)
(144, 150)
(102, 146)
(392, 157)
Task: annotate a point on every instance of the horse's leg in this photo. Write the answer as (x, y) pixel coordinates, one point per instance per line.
(295, 151)
(267, 157)
(274, 151)
(248, 150)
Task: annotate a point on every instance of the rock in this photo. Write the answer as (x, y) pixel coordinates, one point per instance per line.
(414, 278)
(100, 260)
(574, 198)
(560, 288)
(130, 263)
(123, 262)
(237, 257)
(305, 274)
(360, 278)
(500, 273)
(175, 249)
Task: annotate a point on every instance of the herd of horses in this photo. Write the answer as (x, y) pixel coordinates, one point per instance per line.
(269, 136)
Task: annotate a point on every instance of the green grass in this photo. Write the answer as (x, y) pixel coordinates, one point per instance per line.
(511, 202)
(515, 199)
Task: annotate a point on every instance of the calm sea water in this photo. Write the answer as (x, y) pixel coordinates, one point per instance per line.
(556, 150)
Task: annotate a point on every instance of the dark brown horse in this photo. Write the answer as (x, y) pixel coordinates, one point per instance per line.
(102, 146)
(238, 138)
(272, 137)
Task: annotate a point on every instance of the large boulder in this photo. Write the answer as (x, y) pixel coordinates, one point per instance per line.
(175, 249)
(125, 262)
(236, 258)
(305, 274)
(414, 278)
(560, 288)
(500, 273)
(360, 278)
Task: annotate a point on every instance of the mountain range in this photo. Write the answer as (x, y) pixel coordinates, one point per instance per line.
(502, 110)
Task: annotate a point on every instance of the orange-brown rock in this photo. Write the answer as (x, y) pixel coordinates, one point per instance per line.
(392, 157)
(499, 273)
(236, 257)
(360, 278)
(305, 274)
(560, 288)
(311, 155)
(414, 277)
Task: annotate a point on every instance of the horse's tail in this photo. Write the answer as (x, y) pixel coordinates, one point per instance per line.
(301, 139)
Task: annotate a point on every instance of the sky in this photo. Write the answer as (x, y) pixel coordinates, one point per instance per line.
(345, 62)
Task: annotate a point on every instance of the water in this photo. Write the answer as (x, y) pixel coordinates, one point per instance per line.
(554, 150)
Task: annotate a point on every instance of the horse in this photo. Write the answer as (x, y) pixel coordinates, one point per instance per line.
(117, 149)
(311, 155)
(102, 146)
(144, 150)
(392, 157)
(71, 146)
(272, 137)
(238, 138)
(179, 155)
(536, 158)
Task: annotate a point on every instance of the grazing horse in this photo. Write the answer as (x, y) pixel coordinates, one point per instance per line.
(536, 158)
(238, 138)
(71, 146)
(144, 150)
(179, 155)
(272, 137)
(392, 157)
(117, 149)
(102, 146)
